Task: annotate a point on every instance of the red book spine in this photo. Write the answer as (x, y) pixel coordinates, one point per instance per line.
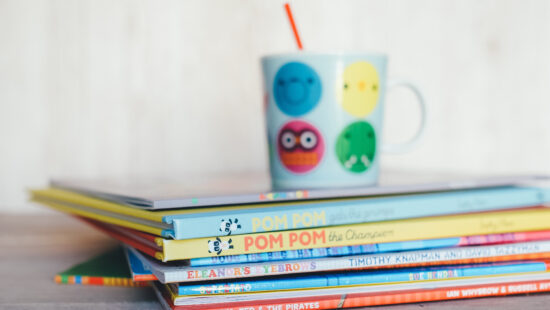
(134, 243)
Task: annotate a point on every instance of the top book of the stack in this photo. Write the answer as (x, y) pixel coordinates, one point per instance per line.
(193, 192)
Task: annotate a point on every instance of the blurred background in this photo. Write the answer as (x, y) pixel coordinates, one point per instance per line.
(116, 88)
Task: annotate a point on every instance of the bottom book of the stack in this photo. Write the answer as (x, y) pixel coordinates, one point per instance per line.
(361, 295)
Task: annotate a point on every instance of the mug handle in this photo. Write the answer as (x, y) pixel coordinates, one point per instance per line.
(408, 145)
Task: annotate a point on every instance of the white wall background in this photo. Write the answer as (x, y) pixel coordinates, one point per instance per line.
(109, 88)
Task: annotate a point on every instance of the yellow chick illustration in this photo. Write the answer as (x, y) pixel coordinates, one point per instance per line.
(358, 89)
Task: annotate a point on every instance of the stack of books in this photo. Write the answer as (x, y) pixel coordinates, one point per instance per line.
(319, 249)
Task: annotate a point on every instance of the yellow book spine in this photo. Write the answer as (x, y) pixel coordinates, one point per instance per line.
(389, 231)
(99, 217)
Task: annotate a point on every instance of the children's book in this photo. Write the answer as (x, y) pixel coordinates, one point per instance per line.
(364, 295)
(247, 219)
(197, 191)
(109, 268)
(139, 271)
(328, 299)
(334, 236)
(468, 255)
(177, 272)
(358, 278)
(372, 248)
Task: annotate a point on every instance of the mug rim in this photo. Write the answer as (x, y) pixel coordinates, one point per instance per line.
(334, 54)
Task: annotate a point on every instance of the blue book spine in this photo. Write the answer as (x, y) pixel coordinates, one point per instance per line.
(326, 252)
(351, 211)
(361, 278)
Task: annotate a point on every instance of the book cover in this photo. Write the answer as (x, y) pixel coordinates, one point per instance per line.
(359, 278)
(238, 220)
(369, 233)
(203, 190)
(109, 268)
(168, 273)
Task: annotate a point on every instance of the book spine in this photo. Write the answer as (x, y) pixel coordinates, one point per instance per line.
(389, 298)
(372, 248)
(448, 293)
(360, 278)
(465, 255)
(103, 281)
(368, 233)
(353, 211)
(326, 252)
(505, 238)
(144, 277)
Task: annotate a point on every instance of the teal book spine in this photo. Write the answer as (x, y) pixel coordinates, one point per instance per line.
(352, 211)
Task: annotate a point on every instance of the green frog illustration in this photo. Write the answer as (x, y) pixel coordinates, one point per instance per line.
(356, 146)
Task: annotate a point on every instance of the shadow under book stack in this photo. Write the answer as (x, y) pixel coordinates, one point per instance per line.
(298, 250)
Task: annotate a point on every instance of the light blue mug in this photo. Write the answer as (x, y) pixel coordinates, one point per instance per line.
(324, 118)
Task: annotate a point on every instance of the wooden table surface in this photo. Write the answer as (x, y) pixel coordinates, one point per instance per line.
(35, 247)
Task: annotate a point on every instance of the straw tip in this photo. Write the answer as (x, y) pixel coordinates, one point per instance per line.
(293, 25)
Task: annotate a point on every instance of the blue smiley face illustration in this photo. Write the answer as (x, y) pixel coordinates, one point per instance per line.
(297, 88)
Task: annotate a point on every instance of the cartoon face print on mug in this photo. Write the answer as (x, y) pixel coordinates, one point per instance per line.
(297, 88)
(358, 90)
(356, 146)
(300, 146)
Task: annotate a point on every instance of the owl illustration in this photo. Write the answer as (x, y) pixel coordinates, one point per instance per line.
(300, 146)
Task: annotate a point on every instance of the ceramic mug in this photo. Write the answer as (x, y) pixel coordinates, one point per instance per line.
(324, 118)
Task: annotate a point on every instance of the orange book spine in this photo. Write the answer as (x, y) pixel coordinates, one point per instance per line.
(385, 298)
(463, 292)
